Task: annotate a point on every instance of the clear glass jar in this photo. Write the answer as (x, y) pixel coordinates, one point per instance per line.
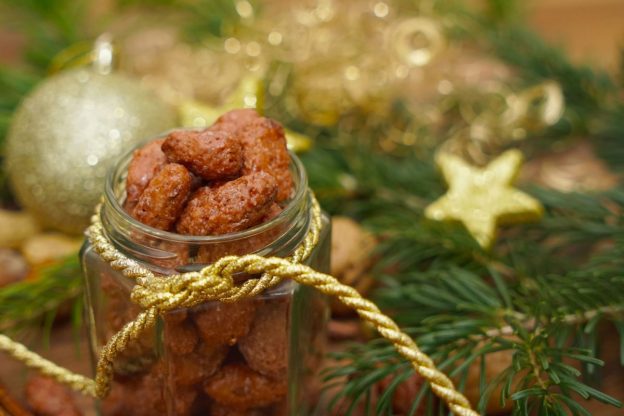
(256, 357)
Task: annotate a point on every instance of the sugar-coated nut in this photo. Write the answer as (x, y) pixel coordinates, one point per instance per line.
(265, 347)
(176, 315)
(164, 198)
(235, 120)
(352, 248)
(145, 164)
(281, 408)
(352, 255)
(273, 211)
(113, 403)
(264, 149)
(16, 227)
(50, 246)
(47, 397)
(171, 254)
(140, 395)
(233, 206)
(217, 409)
(211, 154)
(118, 311)
(239, 387)
(211, 253)
(192, 369)
(179, 337)
(224, 323)
(183, 400)
(146, 395)
(264, 146)
(13, 267)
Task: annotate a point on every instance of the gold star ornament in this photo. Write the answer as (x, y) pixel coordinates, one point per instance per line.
(483, 198)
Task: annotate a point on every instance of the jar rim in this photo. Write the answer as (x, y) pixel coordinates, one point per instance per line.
(118, 171)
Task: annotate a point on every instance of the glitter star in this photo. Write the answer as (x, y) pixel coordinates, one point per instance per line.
(483, 198)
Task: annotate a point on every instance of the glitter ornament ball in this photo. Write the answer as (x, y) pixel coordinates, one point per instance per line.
(65, 135)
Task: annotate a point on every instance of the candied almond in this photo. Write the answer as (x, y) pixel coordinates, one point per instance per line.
(219, 410)
(265, 347)
(164, 198)
(48, 397)
(191, 369)
(235, 120)
(233, 206)
(212, 154)
(239, 387)
(138, 395)
(145, 164)
(224, 323)
(264, 148)
(180, 338)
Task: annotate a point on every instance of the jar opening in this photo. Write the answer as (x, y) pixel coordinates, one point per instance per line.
(152, 245)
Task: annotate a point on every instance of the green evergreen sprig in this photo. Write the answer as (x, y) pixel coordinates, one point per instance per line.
(538, 288)
(34, 303)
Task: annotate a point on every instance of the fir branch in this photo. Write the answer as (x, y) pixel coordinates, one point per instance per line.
(32, 302)
(454, 317)
(459, 301)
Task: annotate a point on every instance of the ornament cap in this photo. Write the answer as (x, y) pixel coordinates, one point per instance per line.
(103, 54)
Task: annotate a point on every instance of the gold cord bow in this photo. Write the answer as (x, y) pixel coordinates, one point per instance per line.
(215, 282)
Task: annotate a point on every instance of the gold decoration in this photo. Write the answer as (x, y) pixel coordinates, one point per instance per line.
(101, 54)
(385, 56)
(197, 115)
(248, 94)
(318, 78)
(175, 70)
(417, 40)
(216, 283)
(64, 136)
(297, 142)
(482, 198)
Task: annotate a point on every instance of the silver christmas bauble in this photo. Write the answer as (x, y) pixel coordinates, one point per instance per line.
(65, 135)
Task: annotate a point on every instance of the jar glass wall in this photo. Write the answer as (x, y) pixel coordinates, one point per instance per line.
(259, 356)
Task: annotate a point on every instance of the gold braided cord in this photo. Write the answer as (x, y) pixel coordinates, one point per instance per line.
(215, 282)
(35, 361)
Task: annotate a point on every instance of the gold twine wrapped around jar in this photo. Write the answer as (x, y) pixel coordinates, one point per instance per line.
(157, 295)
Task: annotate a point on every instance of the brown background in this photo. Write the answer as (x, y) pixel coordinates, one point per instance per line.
(590, 30)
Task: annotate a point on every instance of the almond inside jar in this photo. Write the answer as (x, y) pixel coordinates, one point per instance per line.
(218, 358)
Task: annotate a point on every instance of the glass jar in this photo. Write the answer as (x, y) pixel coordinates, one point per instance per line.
(259, 356)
